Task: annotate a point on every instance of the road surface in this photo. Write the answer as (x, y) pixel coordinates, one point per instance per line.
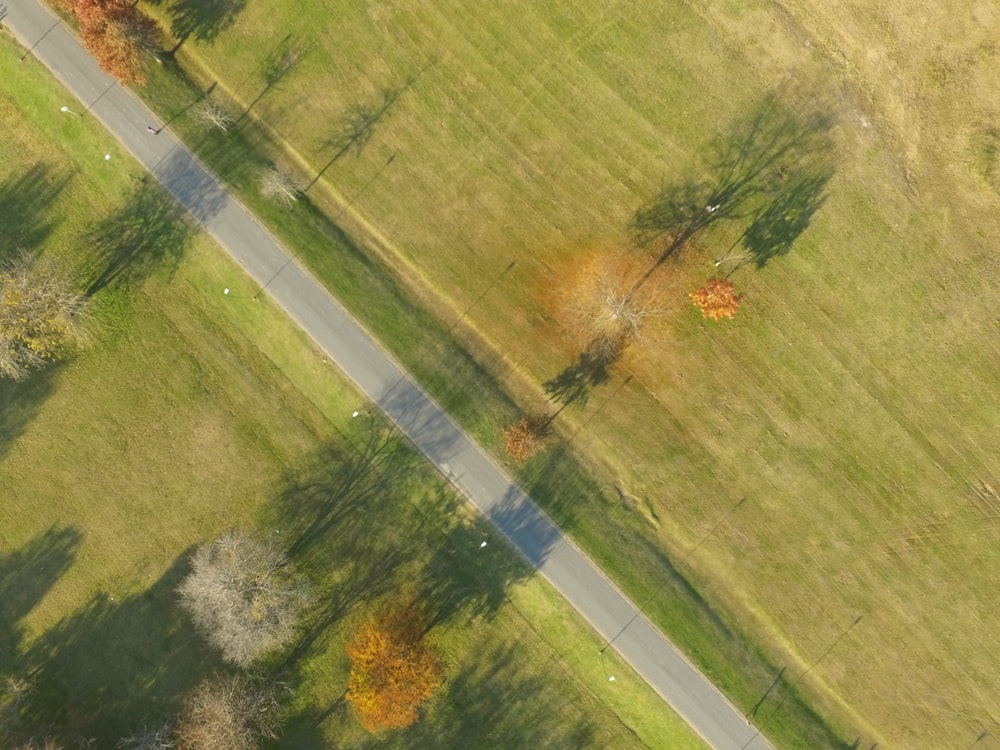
(375, 373)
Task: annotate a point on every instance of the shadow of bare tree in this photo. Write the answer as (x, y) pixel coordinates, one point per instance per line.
(573, 384)
(202, 20)
(22, 400)
(113, 665)
(26, 218)
(149, 231)
(193, 187)
(282, 60)
(453, 580)
(26, 575)
(341, 517)
(355, 128)
(771, 169)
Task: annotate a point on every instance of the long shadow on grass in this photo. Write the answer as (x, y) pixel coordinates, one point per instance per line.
(464, 577)
(202, 20)
(281, 61)
(26, 215)
(356, 126)
(574, 384)
(346, 516)
(149, 231)
(114, 665)
(770, 170)
(26, 576)
(20, 402)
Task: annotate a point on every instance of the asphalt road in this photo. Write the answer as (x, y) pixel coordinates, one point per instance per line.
(363, 360)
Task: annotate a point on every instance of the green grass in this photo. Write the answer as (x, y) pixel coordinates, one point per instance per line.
(850, 401)
(193, 412)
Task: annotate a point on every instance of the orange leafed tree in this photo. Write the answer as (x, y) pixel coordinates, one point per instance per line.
(117, 34)
(528, 437)
(717, 299)
(393, 671)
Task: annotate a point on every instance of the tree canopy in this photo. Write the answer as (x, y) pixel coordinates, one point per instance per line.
(393, 670)
(244, 596)
(117, 34)
(41, 316)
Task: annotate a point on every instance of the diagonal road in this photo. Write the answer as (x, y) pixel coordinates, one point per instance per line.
(466, 465)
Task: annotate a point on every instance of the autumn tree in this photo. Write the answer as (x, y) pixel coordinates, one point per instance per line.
(118, 34)
(229, 713)
(41, 315)
(393, 670)
(244, 596)
(527, 437)
(717, 299)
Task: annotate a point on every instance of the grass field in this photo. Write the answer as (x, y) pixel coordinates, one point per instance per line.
(193, 412)
(853, 403)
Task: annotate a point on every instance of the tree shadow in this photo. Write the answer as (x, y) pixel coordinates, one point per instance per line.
(21, 401)
(527, 528)
(26, 575)
(777, 226)
(573, 384)
(465, 577)
(149, 231)
(420, 420)
(355, 128)
(26, 216)
(114, 665)
(191, 185)
(282, 60)
(770, 168)
(334, 515)
(202, 20)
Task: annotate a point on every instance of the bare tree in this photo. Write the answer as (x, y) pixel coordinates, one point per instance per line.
(212, 114)
(41, 316)
(277, 185)
(607, 302)
(244, 596)
(39, 743)
(229, 713)
(157, 738)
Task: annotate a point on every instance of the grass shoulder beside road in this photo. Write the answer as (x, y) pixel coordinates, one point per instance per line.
(193, 412)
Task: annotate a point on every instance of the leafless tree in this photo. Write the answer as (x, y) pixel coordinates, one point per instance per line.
(212, 114)
(229, 713)
(244, 596)
(157, 738)
(607, 308)
(39, 743)
(277, 185)
(41, 315)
